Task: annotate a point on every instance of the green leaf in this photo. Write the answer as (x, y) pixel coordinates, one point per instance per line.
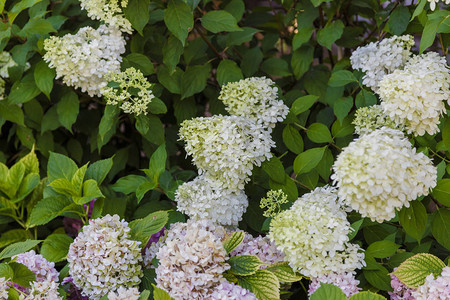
(445, 133)
(26, 186)
(22, 275)
(318, 2)
(55, 247)
(18, 248)
(99, 170)
(6, 271)
(263, 284)
(49, 208)
(244, 265)
(308, 160)
(414, 219)
(37, 26)
(365, 98)
(399, 20)
(151, 128)
(304, 103)
(381, 249)
(302, 36)
(179, 19)
(228, 71)
(413, 271)
(50, 121)
(23, 91)
(329, 292)
(301, 60)
(440, 227)
(274, 168)
(233, 241)
(142, 229)
(146, 186)
(379, 278)
(156, 106)
(292, 139)
(356, 226)
(157, 163)
(236, 8)
(240, 37)
(251, 60)
(330, 33)
(90, 192)
(108, 123)
(67, 109)
(419, 9)
(342, 107)
(43, 76)
(288, 187)
(442, 191)
(172, 51)
(18, 7)
(341, 78)
(319, 133)
(170, 80)
(12, 236)
(366, 295)
(284, 272)
(140, 62)
(128, 184)
(64, 187)
(60, 166)
(219, 20)
(11, 112)
(160, 294)
(137, 12)
(194, 79)
(431, 28)
(276, 67)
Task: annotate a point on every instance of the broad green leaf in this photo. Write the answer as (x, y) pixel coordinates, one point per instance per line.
(99, 170)
(157, 163)
(219, 20)
(11, 112)
(355, 226)
(179, 19)
(228, 71)
(288, 187)
(233, 241)
(55, 247)
(6, 271)
(172, 51)
(108, 124)
(23, 91)
(330, 33)
(140, 62)
(413, 271)
(90, 192)
(151, 128)
(142, 229)
(381, 249)
(379, 278)
(292, 139)
(236, 8)
(50, 121)
(170, 80)
(12, 236)
(301, 60)
(319, 133)
(67, 109)
(22, 275)
(37, 26)
(284, 272)
(440, 227)
(49, 208)
(18, 248)
(43, 76)
(64, 187)
(146, 186)
(304, 103)
(274, 168)
(60, 166)
(306, 161)
(18, 7)
(30, 162)
(328, 291)
(342, 107)
(414, 219)
(442, 191)
(160, 294)
(366, 295)
(419, 9)
(194, 79)
(302, 36)
(26, 186)
(276, 67)
(431, 27)
(318, 2)
(157, 106)
(78, 178)
(137, 12)
(341, 78)
(128, 184)
(239, 37)
(251, 60)
(445, 133)
(244, 265)
(263, 284)
(399, 20)
(365, 98)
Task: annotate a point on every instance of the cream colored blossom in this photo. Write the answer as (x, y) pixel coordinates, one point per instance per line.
(368, 119)
(380, 58)
(43, 290)
(381, 172)
(255, 98)
(433, 3)
(83, 59)
(124, 294)
(132, 94)
(313, 234)
(415, 97)
(108, 11)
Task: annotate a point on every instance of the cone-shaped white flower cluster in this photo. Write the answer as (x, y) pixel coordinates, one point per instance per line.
(381, 172)
(415, 96)
(83, 59)
(368, 119)
(192, 260)
(313, 234)
(103, 258)
(345, 281)
(381, 58)
(225, 149)
(108, 11)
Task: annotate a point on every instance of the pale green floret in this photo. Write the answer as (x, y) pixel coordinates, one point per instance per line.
(130, 90)
(273, 202)
(368, 119)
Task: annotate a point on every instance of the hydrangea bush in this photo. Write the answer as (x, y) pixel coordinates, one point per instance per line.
(235, 149)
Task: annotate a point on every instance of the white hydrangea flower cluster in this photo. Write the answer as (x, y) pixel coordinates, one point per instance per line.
(83, 59)
(133, 93)
(262, 247)
(204, 198)
(230, 291)
(381, 172)
(368, 119)
(103, 258)
(44, 290)
(124, 293)
(345, 281)
(415, 96)
(380, 58)
(434, 288)
(433, 3)
(254, 98)
(108, 11)
(313, 234)
(36, 263)
(192, 260)
(3, 288)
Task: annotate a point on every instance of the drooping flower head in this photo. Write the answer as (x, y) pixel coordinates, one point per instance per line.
(313, 234)
(231, 291)
(132, 93)
(381, 172)
(206, 198)
(44, 270)
(83, 59)
(345, 281)
(399, 290)
(368, 119)
(226, 147)
(380, 58)
(103, 258)
(108, 11)
(415, 96)
(254, 98)
(192, 260)
(434, 288)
